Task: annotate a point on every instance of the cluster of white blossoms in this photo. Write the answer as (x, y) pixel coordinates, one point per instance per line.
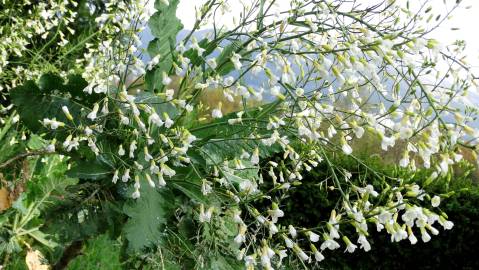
(333, 75)
(113, 61)
(38, 20)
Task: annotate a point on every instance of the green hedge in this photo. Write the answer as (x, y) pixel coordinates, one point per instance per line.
(453, 249)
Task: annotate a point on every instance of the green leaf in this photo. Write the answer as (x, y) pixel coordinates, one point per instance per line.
(49, 182)
(159, 104)
(45, 100)
(164, 27)
(224, 263)
(147, 217)
(43, 238)
(232, 178)
(220, 141)
(189, 184)
(224, 63)
(99, 253)
(20, 205)
(36, 142)
(93, 170)
(33, 105)
(8, 150)
(50, 82)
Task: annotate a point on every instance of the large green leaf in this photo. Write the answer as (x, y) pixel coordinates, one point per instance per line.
(164, 26)
(219, 141)
(45, 100)
(147, 217)
(225, 65)
(49, 182)
(189, 183)
(89, 170)
(33, 105)
(159, 104)
(73, 86)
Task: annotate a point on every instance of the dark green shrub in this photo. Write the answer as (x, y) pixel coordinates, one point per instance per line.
(453, 249)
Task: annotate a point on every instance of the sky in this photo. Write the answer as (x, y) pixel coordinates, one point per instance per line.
(467, 20)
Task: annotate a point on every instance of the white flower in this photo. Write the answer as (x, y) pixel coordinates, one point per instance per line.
(50, 148)
(359, 132)
(148, 157)
(255, 156)
(250, 262)
(201, 85)
(364, 244)
(435, 201)
(121, 151)
(115, 177)
(346, 148)
(88, 131)
(288, 242)
(155, 119)
(240, 238)
(292, 231)
(166, 170)
(216, 113)
(126, 176)
(329, 244)
(333, 231)
(275, 214)
(69, 144)
(169, 93)
(370, 189)
(132, 149)
(196, 46)
(404, 162)
(168, 121)
(299, 92)
(212, 63)
(161, 180)
(92, 114)
(165, 79)
(153, 62)
(447, 225)
(302, 255)
(235, 59)
(67, 113)
(424, 235)
(124, 120)
(412, 238)
(433, 230)
(282, 254)
(206, 187)
(150, 181)
(247, 186)
(318, 256)
(405, 132)
(387, 142)
(272, 228)
(136, 194)
(205, 216)
(313, 237)
(53, 124)
(350, 247)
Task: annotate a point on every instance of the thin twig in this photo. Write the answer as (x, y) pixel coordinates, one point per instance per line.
(23, 155)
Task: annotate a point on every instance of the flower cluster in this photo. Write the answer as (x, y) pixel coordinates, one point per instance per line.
(312, 80)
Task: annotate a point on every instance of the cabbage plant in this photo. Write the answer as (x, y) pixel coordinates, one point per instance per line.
(188, 159)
